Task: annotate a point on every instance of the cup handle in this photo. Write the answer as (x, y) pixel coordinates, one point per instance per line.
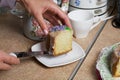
(95, 24)
(97, 20)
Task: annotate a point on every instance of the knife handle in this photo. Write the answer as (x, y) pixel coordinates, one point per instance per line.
(13, 54)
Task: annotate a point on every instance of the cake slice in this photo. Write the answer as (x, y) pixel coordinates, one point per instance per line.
(115, 61)
(60, 40)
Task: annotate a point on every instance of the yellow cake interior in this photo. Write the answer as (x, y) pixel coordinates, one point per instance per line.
(61, 41)
(115, 62)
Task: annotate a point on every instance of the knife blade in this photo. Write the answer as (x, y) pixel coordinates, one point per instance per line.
(29, 54)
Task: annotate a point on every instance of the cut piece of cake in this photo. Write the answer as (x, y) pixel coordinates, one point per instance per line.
(60, 40)
(115, 61)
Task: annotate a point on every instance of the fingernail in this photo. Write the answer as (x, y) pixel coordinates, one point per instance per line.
(46, 32)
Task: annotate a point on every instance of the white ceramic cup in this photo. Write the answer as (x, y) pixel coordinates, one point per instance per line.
(82, 21)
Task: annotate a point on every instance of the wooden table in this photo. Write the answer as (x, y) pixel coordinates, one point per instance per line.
(108, 37)
(12, 39)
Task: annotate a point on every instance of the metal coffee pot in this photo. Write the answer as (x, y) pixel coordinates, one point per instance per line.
(31, 28)
(97, 6)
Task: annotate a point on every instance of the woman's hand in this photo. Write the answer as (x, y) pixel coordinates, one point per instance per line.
(7, 60)
(46, 9)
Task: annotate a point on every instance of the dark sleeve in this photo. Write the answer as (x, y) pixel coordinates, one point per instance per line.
(7, 3)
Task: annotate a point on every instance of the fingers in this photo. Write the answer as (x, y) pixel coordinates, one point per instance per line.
(4, 66)
(61, 15)
(52, 19)
(42, 23)
(64, 19)
(7, 60)
(10, 60)
(39, 7)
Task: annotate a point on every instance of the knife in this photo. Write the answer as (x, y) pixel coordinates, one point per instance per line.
(29, 54)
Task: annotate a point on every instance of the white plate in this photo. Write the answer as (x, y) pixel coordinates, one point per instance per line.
(52, 61)
(103, 63)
